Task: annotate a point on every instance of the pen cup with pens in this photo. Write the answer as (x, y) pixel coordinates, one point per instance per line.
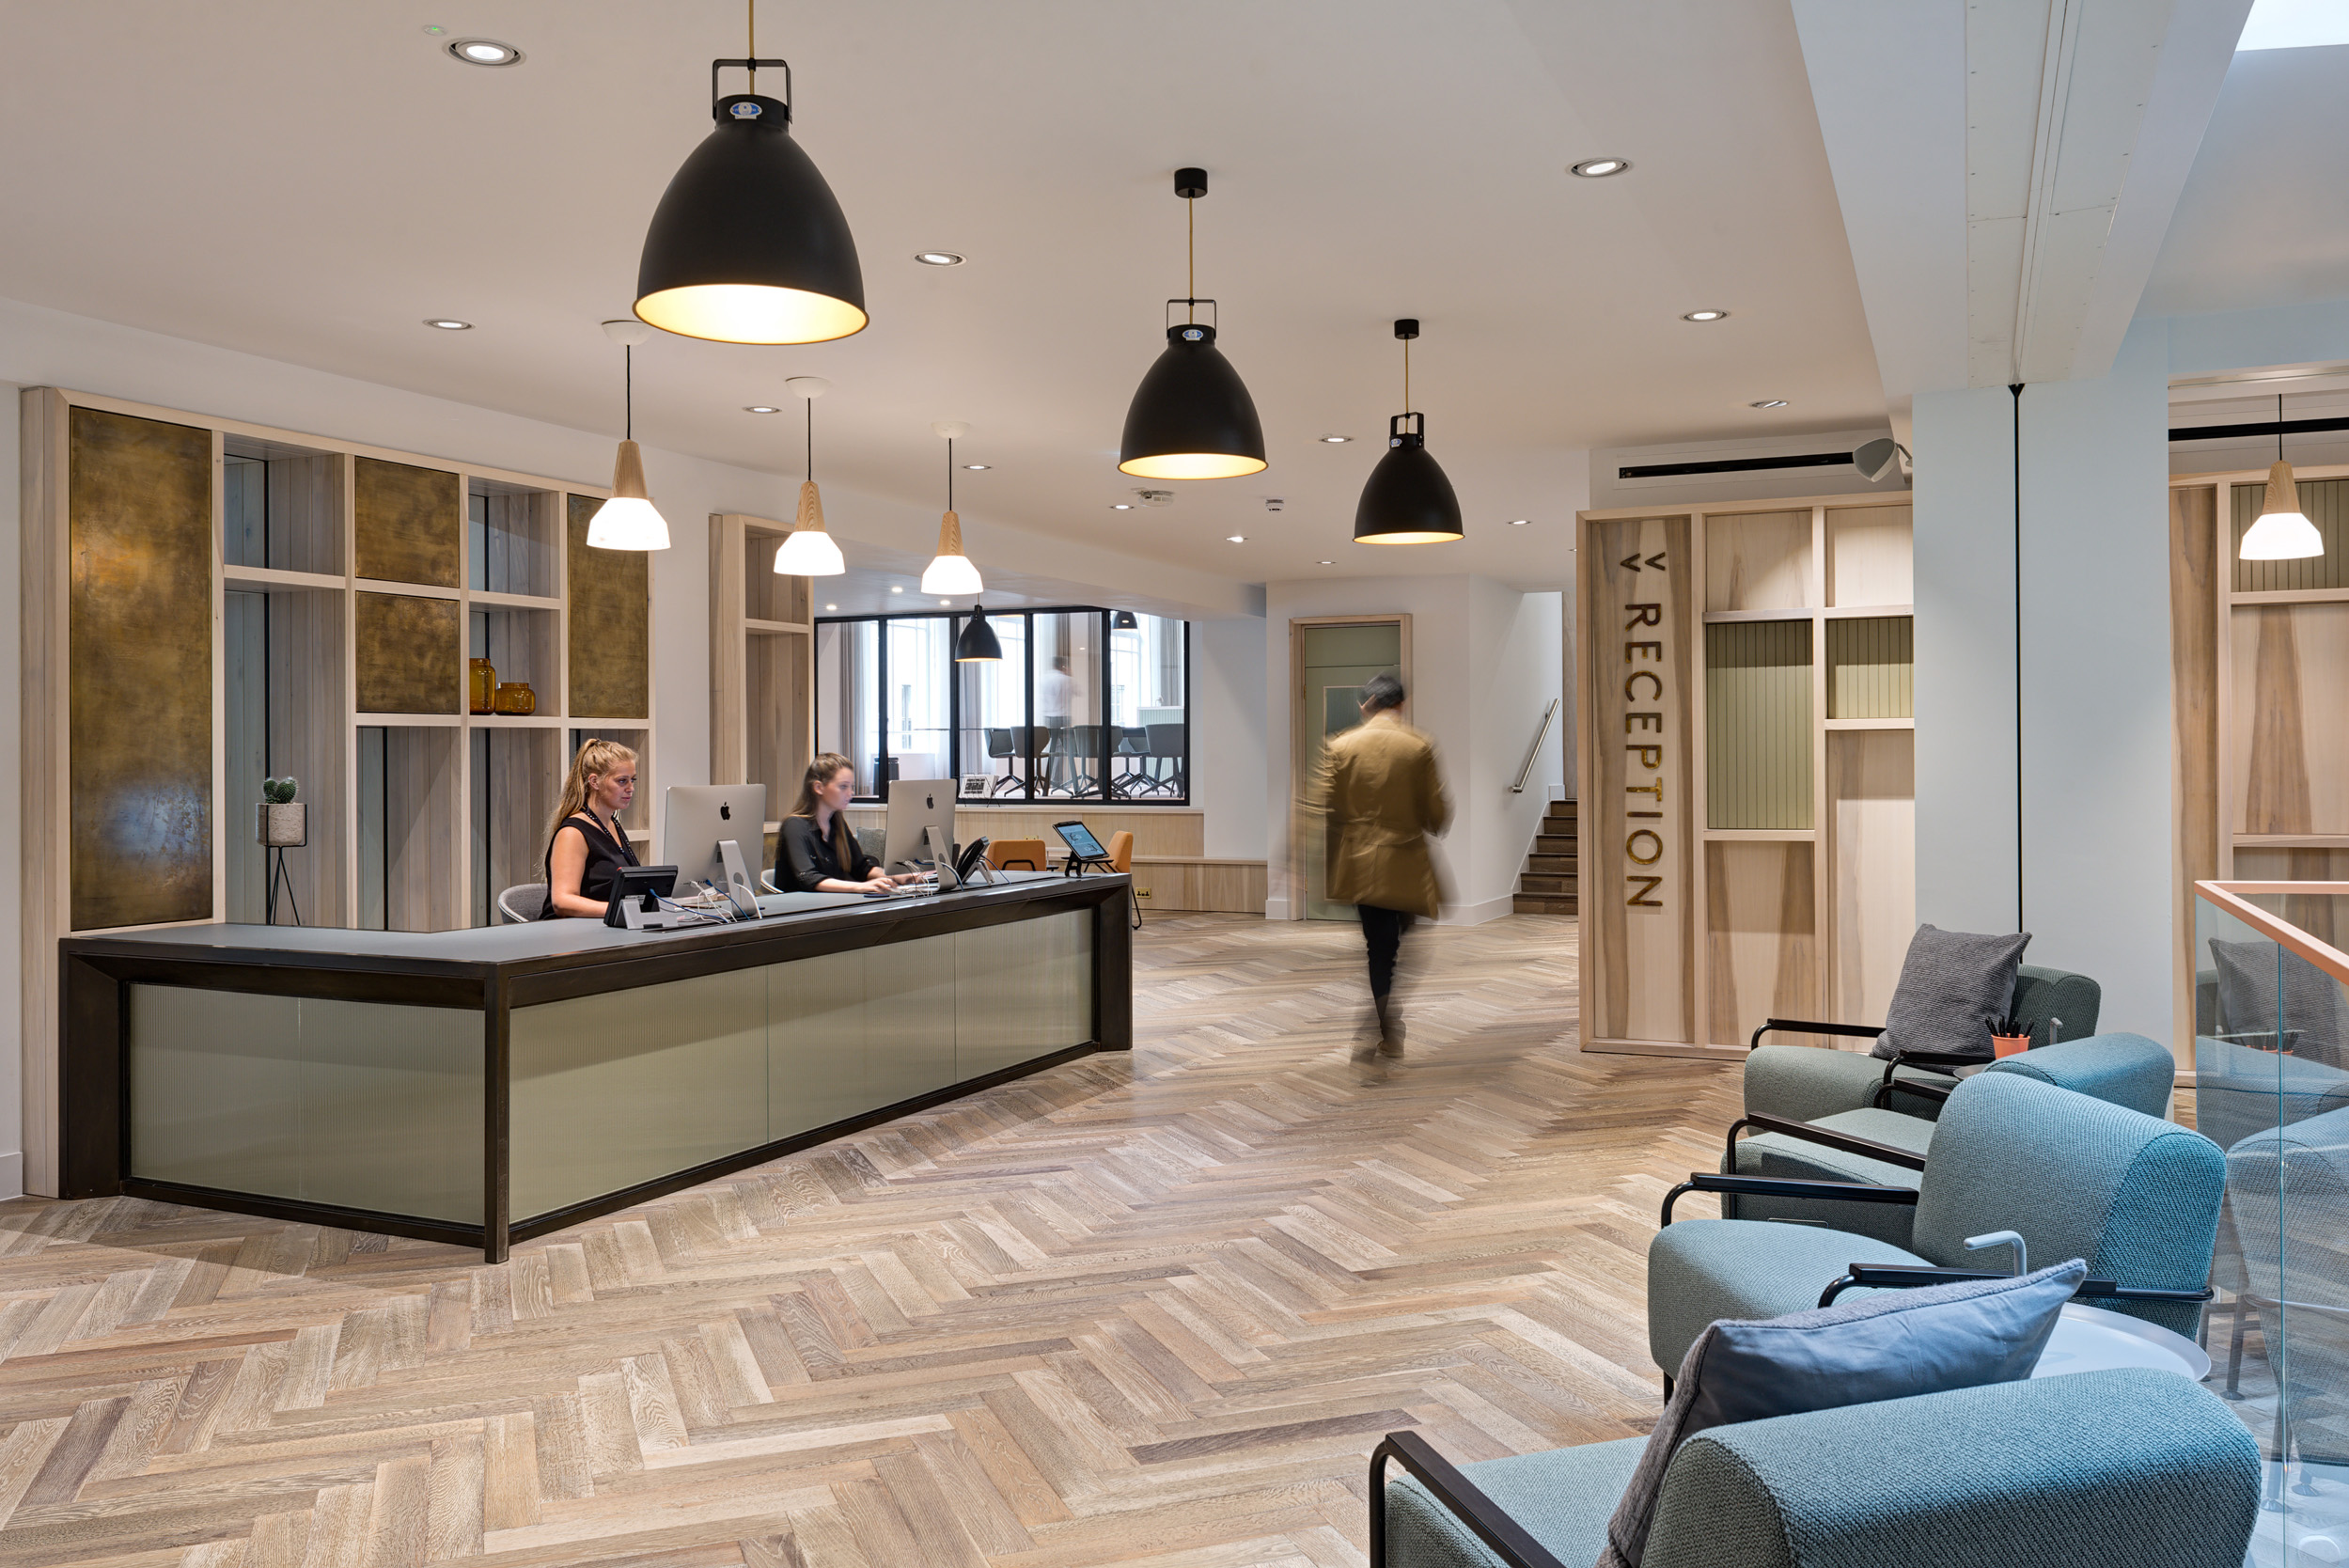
(2009, 1036)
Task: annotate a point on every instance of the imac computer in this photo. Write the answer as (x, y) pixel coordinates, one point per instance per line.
(699, 817)
(915, 804)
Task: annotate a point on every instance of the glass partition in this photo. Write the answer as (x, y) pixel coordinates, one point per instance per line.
(1149, 707)
(994, 751)
(2271, 1062)
(920, 721)
(848, 696)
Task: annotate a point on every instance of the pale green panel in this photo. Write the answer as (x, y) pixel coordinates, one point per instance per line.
(2325, 503)
(909, 1029)
(614, 1089)
(1757, 725)
(1022, 991)
(816, 1028)
(215, 1089)
(1379, 644)
(391, 1109)
(1871, 664)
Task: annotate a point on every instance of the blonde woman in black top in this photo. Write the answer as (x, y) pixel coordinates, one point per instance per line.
(819, 854)
(584, 842)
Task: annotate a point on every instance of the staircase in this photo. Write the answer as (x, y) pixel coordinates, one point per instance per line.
(1547, 885)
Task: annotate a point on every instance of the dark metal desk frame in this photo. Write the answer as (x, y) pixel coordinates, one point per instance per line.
(95, 974)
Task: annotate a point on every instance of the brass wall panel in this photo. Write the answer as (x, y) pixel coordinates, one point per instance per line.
(407, 654)
(408, 523)
(140, 726)
(611, 625)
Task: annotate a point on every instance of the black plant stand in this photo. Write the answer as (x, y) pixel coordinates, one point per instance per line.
(278, 877)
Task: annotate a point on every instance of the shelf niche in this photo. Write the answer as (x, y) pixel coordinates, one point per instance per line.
(762, 662)
(409, 789)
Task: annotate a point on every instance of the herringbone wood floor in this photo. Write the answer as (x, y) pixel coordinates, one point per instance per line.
(1150, 1311)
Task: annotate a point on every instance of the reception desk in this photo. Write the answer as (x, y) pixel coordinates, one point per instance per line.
(485, 1087)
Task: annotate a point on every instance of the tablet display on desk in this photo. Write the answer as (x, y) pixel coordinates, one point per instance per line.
(1080, 841)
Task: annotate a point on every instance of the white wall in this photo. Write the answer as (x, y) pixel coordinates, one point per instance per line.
(1227, 734)
(2094, 821)
(47, 348)
(1483, 665)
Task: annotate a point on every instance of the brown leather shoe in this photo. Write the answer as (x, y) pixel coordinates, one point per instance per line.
(1390, 1026)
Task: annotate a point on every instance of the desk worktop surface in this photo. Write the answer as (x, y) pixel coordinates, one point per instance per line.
(555, 940)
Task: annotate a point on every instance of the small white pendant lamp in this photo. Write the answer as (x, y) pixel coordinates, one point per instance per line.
(628, 521)
(950, 572)
(2282, 531)
(808, 552)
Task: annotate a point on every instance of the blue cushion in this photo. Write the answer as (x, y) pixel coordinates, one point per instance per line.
(1895, 1344)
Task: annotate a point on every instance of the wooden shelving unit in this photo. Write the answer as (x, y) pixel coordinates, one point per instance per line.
(762, 665)
(207, 602)
(1747, 756)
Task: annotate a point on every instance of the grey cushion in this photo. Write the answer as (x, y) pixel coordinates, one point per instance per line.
(1952, 984)
(2252, 974)
(1891, 1345)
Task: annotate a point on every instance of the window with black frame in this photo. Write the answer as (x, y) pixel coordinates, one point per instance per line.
(1086, 704)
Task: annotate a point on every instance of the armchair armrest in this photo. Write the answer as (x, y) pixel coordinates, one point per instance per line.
(1866, 1148)
(1884, 1277)
(1786, 1187)
(1798, 1026)
(1502, 1534)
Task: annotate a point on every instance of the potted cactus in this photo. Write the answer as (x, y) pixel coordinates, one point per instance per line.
(285, 823)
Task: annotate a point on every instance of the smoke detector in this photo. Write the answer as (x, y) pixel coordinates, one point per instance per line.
(1155, 497)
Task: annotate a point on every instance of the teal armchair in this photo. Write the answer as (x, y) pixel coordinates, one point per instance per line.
(2136, 1197)
(2122, 1069)
(2035, 1474)
(1802, 1083)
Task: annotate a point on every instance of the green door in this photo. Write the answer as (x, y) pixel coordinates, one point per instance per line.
(1337, 659)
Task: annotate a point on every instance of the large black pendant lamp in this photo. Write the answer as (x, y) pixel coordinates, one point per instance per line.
(977, 644)
(1192, 417)
(749, 244)
(1408, 500)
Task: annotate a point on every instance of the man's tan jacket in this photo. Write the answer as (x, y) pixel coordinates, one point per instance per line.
(1384, 795)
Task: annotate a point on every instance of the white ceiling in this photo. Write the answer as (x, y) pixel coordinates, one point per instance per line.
(306, 182)
(2265, 217)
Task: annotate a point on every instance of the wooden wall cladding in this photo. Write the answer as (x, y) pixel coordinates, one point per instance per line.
(407, 655)
(140, 727)
(1760, 926)
(2288, 732)
(1639, 660)
(1757, 561)
(2194, 585)
(408, 523)
(611, 624)
(1871, 666)
(2326, 502)
(1871, 866)
(1870, 551)
(1758, 728)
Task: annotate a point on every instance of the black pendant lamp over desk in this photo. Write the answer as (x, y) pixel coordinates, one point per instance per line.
(1408, 499)
(977, 644)
(1192, 417)
(749, 244)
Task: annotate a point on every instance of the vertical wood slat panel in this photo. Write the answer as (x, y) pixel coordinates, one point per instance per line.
(2194, 653)
(1757, 723)
(140, 804)
(2326, 502)
(1871, 664)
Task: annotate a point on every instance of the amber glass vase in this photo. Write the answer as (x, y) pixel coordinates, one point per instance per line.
(481, 681)
(517, 698)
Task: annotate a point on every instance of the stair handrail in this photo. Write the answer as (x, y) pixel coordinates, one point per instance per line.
(1534, 754)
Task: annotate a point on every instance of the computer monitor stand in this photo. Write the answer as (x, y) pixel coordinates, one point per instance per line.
(940, 855)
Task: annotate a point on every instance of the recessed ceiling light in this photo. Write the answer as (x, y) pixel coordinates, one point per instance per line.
(1121, 506)
(1235, 539)
(1519, 521)
(1769, 402)
(1326, 563)
(761, 408)
(939, 258)
(894, 588)
(978, 467)
(449, 325)
(436, 32)
(1706, 316)
(831, 607)
(948, 602)
(1599, 168)
(1338, 439)
(485, 52)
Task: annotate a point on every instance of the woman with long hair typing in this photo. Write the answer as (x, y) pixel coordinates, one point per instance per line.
(584, 842)
(819, 854)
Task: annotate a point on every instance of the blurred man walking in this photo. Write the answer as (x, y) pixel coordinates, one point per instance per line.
(1384, 795)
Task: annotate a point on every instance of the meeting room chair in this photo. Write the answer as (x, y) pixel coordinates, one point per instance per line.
(1169, 747)
(522, 903)
(1002, 747)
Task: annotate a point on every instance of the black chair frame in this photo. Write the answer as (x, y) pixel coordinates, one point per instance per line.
(1504, 1536)
(1938, 1063)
